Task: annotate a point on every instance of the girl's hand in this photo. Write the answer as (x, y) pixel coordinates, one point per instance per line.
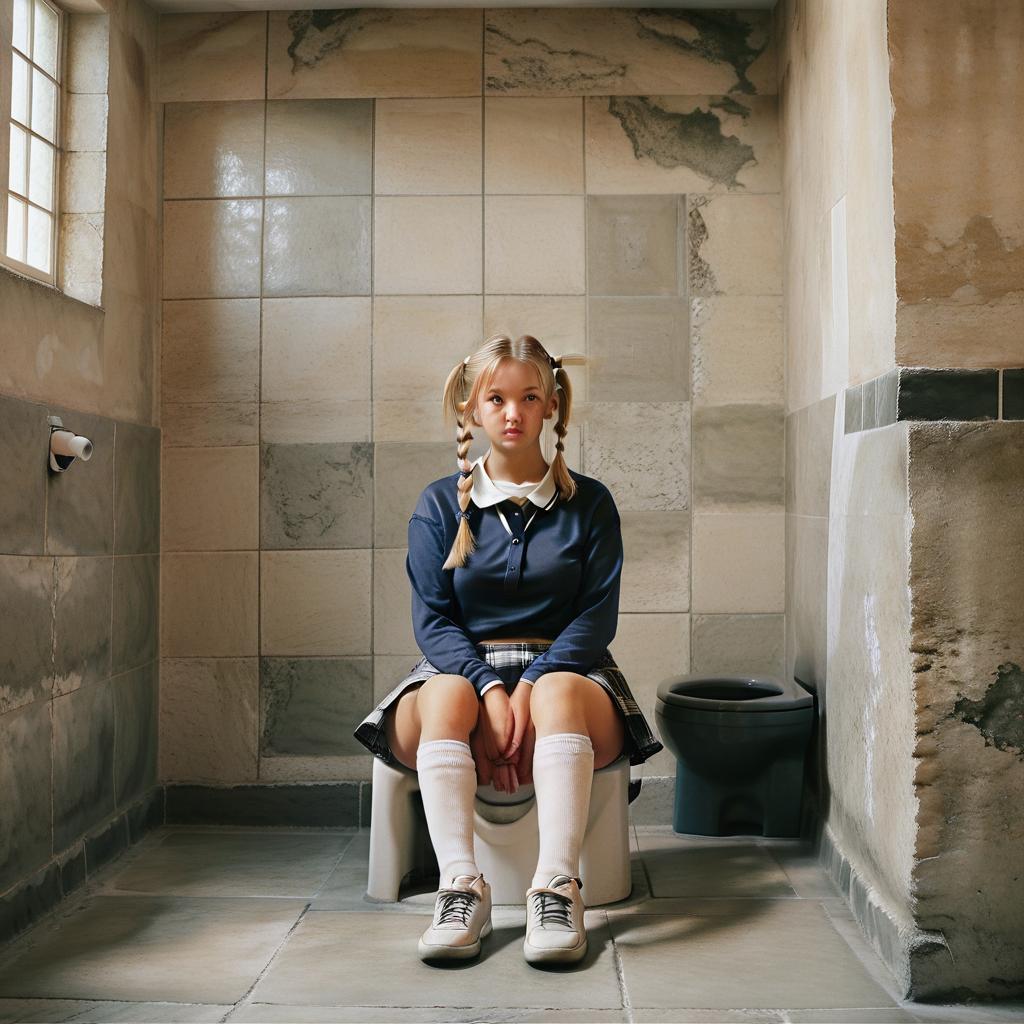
(520, 702)
(495, 725)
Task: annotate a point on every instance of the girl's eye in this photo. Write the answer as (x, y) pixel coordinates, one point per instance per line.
(498, 397)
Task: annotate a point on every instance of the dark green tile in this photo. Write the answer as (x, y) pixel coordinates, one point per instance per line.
(136, 610)
(23, 472)
(136, 489)
(26, 629)
(82, 621)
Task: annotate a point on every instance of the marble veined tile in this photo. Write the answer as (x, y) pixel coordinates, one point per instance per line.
(682, 143)
(374, 52)
(586, 51)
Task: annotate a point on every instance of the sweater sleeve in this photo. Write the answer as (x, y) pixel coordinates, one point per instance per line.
(583, 641)
(439, 637)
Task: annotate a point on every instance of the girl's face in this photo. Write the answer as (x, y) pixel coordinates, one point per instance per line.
(511, 408)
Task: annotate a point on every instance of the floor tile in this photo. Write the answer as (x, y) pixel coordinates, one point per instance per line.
(382, 967)
(257, 1013)
(682, 867)
(691, 1015)
(959, 1013)
(873, 1015)
(283, 864)
(740, 953)
(150, 948)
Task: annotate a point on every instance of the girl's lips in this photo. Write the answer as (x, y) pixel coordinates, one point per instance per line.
(512, 433)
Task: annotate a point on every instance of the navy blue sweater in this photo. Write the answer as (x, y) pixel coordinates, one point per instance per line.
(557, 577)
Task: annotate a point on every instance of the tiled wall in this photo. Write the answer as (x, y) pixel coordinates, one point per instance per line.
(78, 690)
(353, 201)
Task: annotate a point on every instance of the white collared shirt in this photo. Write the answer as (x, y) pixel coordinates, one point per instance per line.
(485, 493)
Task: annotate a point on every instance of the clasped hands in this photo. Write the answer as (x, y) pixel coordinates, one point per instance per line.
(503, 740)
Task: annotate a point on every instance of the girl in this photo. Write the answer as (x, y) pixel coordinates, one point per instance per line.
(515, 567)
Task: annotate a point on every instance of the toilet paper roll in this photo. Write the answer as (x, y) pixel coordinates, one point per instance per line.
(65, 442)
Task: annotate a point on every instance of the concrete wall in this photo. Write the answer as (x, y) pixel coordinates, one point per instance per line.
(79, 551)
(343, 223)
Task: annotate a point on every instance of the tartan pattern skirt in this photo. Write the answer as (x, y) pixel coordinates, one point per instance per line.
(508, 660)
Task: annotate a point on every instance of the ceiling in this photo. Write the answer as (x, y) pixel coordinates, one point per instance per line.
(211, 6)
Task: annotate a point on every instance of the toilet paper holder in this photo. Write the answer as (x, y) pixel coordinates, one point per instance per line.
(66, 446)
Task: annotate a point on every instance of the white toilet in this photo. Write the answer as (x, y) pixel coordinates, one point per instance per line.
(506, 836)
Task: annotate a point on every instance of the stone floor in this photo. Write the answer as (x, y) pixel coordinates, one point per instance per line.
(270, 925)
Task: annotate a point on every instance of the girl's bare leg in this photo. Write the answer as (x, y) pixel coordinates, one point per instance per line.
(445, 707)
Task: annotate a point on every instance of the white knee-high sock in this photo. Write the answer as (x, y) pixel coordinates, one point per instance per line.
(447, 777)
(563, 772)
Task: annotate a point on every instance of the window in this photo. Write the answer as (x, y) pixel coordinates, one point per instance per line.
(28, 218)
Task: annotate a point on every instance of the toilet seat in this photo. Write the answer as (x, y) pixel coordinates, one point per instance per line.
(733, 694)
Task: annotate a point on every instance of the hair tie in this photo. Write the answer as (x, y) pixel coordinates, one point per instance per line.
(461, 515)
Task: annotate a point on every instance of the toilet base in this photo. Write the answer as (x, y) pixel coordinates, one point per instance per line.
(766, 805)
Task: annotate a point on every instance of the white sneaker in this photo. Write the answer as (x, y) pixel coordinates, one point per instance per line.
(554, 922)
(462, 917)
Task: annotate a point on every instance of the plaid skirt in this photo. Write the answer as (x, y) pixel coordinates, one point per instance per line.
(508, 660)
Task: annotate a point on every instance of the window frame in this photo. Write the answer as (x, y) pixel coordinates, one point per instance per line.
(51, 278)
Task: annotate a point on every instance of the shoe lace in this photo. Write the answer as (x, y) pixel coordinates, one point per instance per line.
(455, 905)
(553, 908)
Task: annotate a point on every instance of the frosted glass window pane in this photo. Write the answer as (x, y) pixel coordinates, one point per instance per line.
(19, 142)
(39, 233)
(21, 14)
(40, 174)
(19, 89)
(44, 41)
(15, 228)
(44, 106)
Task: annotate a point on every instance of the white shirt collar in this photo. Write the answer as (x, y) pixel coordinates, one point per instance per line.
(484, 493)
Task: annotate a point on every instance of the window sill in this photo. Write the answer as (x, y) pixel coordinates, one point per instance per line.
(56, 292)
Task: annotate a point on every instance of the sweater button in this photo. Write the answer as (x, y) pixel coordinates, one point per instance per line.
(515, 540)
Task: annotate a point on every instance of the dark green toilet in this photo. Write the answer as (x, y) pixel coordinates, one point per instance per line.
(739, 743)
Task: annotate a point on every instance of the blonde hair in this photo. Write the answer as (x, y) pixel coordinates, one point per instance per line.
(461, 392)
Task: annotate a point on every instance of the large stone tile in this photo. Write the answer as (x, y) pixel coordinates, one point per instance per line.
(213, 149)
(364, 53)
(82, 621)
(639, 349)
(316, 496)
(734, 244)
(25, 834)
(210, 351)
(738, 458)
(136, 728)
(112, 1012)
(737, 350)
(648, 648)
(804, 870)
(628, 52)
(427, 147)
(319, 147)
(182, 949)
(209, 604)
(549, 128)
(237, 863)
(262, 1012)
(376, 946)
(210, 498)
(213, 56)
(806, 597)
(427, 244)
(23, 476)
(739, 562)
(534, 245)
(656, 562)
(643, 143)
(401, 471)
(209, 718)
(390, 669)
(317, 245)
(83, 763)
(738, 645)
(310, 706)
(315, 602)
(640, 451)
(809, 457)
(634, 245)
(723, 944)
(136, 489)
(683, 867)
(195, 424)
(26, 629)
(136, 611)
(211, 248)
(80, 501)
(392, 598)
